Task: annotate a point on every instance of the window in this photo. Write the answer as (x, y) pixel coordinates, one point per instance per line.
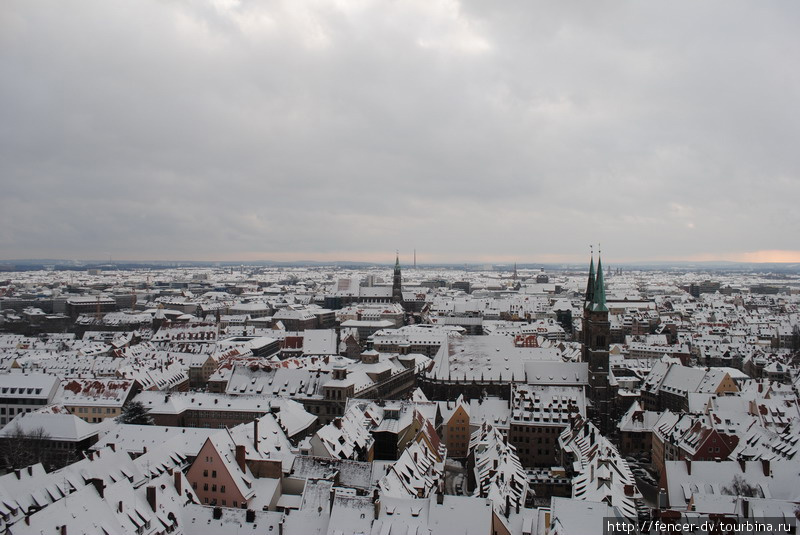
(213, 488)
(214, 473)
(222, 488)
(205, 473)
(205, 486)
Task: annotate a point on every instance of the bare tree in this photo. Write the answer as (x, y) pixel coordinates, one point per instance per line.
(740, 487)
(20, 448)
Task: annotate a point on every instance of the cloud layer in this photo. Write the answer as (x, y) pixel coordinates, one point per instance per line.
(318, 129)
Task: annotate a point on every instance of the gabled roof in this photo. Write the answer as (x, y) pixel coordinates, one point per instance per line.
(225, 447)
(636, 419)
(415, 474)
(602, 474)
(499, 474)
(65, 427)
(775, 479)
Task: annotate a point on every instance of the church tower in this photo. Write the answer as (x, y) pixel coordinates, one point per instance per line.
(397, 282)
(596, 338)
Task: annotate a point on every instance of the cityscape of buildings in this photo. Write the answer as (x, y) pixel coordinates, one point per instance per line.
(322, 267)
(366, 400)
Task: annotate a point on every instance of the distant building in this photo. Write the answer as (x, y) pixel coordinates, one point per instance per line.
(539, 413)
(456, 426)
(94, 400)
(397, 283)
(24, 392)
(90, 305)
(596, 339)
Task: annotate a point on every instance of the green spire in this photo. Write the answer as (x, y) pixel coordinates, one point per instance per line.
(599, 297)
(590, 283)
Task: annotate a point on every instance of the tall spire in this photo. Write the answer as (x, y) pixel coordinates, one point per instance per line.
(590, 283)
(599, 297)
(397, 282)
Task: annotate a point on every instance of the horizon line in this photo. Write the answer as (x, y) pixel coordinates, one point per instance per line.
(770, 256)
(100, 262)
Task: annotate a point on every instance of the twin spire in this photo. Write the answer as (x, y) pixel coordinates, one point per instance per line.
(595, 288)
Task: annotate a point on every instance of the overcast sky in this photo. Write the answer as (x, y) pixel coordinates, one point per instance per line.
(470, 130)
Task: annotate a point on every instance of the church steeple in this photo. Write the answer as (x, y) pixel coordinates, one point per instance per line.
(596, 331)
(397, 282)
(599, 294)
(590, 284)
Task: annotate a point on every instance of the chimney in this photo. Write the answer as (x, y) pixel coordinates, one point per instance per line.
(688, 466)
(508, 505)
(63, 529)
(18, 473)
(98, 485)
(376, 503)
(30, 470)
(176, 477)
(250, 516)
(745, 508)
(280, 527)
(151, 497)
(765, 467)
(255, 434)
(217, 513)
(518, 500)
(119, 506)
(440, 498)
(112, 446)
(240, 457)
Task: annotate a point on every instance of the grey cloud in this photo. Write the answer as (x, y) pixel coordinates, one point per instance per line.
(464, 129)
